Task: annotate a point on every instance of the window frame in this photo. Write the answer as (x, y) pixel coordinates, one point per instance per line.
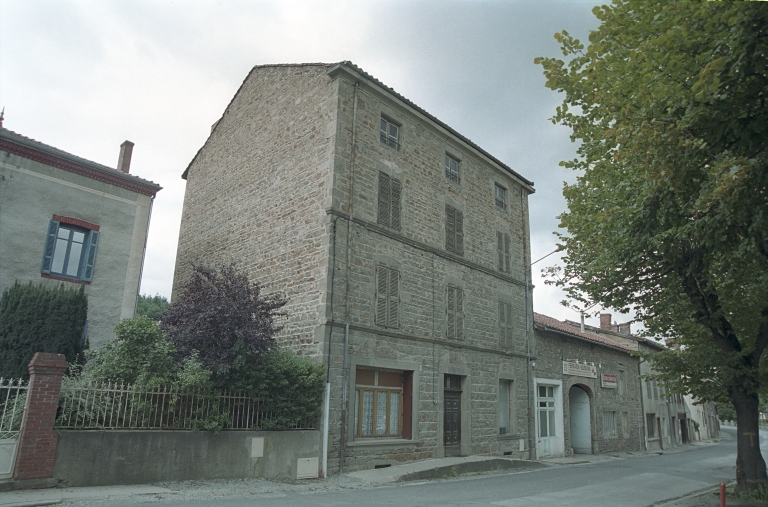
(54, 242)
(454, 313)
(390, 194)
(610, 424)
(503, 252)
(385, 133)
(500, 197)
(454, 230)
(377, 390)
(650, 424)
(450, 174)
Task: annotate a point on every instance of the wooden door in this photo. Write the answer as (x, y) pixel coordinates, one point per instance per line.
(452, 416)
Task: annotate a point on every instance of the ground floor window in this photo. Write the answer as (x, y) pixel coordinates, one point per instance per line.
(650, 423)
(625, 424)
(379, 403)
(546, 406)
(505, 419)
(609, 424)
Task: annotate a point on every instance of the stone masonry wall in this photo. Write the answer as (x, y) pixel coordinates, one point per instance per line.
(419, 343)
(258, 189)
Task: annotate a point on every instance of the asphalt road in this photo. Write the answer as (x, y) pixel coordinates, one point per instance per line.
(633, 482)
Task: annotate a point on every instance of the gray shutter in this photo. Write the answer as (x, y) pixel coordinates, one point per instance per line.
(459, 314)
(50, 245)
(394, 204)
(450, 330)
(459, 233)
(450, 229)
(509, 325)
(383, 218)
(90, 255)
(394, 297)
(500, 250)
(507, 262)
(502, 325)
(382, 275)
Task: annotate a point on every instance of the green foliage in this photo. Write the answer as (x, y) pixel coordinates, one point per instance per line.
(289, 385)
(726, 412)
(151, 306)
(756, 495)
(668, 214)
(39, 318)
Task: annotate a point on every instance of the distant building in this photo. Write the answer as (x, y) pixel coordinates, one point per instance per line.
(67, 220)
(587, 392)
(403, 248)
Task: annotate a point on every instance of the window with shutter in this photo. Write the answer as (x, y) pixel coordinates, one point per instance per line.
(505, 325)
(502, 252)
(455, 313)
(387, 296)
(390, 191)
(70, 250)
(454, 230)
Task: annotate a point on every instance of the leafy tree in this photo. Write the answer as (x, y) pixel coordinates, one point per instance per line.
(40, 318)
(151, 306)
(669, 213)
(223, 318)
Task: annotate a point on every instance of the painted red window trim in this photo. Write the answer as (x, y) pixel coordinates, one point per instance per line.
(65, 279)
(77, 222)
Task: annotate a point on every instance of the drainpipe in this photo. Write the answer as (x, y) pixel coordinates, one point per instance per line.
(343, 440)
(528, 330)
(327, 401)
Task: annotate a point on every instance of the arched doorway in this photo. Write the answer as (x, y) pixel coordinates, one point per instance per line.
(581, 430)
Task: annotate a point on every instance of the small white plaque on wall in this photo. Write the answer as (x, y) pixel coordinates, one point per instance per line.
(306, 468)
(257, 447)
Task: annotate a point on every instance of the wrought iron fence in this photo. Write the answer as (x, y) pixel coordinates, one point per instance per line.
(13, 398)
(122, 406)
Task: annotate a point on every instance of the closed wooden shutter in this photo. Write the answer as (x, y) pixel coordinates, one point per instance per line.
(507, 257)
(394, 298)
(382, 283)
(500, 251)
(459, 232)
(508, 331)
(459, 314)
(502, 325)
(450, 330)
(384, 199)
(394, 204)
(450, 228)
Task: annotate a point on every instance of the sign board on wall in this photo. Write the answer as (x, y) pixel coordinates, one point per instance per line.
(609, 380)
(579, 370)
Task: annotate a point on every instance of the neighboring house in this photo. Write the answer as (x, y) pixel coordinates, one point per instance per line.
(704, 417)
(403, 249)
(67, 220)
(666, 418)
(587, 392)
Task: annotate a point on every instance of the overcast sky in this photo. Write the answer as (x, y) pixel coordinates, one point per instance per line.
(83, 76)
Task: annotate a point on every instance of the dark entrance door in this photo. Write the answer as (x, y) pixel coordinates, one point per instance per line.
(452, 420)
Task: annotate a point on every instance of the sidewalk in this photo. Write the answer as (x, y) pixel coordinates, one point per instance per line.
(33, 497)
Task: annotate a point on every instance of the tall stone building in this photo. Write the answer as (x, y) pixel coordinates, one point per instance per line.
(402, 246)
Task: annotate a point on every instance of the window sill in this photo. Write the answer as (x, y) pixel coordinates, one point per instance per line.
(65, 279)
(381, 442)
(509, 437)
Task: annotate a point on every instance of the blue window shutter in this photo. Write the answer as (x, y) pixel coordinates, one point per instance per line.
(89, 258)
(50, 245)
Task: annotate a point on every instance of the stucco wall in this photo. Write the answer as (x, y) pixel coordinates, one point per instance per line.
(98, 458)
(31, 193)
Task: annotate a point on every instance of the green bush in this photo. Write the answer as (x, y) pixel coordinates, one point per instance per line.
(40, 318)
(151, 306)
(289, 386)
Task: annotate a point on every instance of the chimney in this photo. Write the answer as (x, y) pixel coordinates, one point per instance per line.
(605, 321)
(124, 162)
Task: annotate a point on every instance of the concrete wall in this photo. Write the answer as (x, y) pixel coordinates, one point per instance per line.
(97, 458)
(31, 193)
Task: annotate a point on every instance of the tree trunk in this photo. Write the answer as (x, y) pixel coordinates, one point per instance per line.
(750, 466)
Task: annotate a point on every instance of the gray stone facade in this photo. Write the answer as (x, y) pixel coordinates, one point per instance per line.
(289, 187)
(606, 380)
(38, 184)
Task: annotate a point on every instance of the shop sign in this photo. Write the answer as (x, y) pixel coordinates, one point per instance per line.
(609, 380)
(579, 369)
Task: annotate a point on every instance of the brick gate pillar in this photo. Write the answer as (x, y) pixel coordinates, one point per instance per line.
(37, 440)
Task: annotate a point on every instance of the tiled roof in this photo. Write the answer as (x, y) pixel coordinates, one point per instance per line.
(547, 322)
(35, 150)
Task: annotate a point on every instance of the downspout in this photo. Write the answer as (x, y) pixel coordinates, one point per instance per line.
(528, 331)
(350, 206)
(143, 255)
(327, 399)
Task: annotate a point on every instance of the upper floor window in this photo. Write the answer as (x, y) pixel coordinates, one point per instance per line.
(500, 194)
(389, 133)
(70, 249)
(389, 201)
(452, 169)
(502, 252)
(387, 296)
(454, 230)
(455, 313)
(506, 330)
